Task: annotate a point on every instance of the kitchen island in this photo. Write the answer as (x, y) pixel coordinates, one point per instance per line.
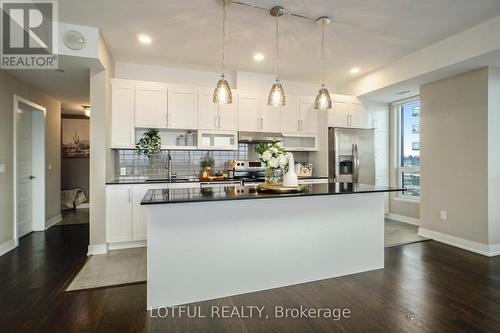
(214, 242)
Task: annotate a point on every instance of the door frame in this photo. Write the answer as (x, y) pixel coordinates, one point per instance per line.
(38, 158)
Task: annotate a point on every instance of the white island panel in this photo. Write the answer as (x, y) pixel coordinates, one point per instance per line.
(208, 250)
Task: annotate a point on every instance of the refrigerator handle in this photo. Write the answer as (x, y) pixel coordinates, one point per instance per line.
(357, 163)
(354, 164)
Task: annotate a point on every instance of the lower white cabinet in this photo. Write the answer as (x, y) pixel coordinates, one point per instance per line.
(126, 219)
(118, 213)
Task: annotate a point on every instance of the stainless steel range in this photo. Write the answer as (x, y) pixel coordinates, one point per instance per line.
(250, 173)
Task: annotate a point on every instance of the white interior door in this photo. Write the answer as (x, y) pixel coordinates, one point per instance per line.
(24, 165)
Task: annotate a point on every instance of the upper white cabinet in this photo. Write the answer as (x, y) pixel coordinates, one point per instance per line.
(379, 117)
(338, 116)
(358, 114)
(299, 115)
(249, 111)
(308, 115)
(151, 105)
(270, 117)
(290, 115)
(217, 117)
(348, 112)
(255, 115)
(182, 107)
(122, 116)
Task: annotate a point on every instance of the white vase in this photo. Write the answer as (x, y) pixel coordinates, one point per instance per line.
(290, 178)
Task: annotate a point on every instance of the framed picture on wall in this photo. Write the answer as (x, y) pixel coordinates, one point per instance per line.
(75, 138)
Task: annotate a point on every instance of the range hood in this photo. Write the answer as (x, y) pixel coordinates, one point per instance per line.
(260, 137)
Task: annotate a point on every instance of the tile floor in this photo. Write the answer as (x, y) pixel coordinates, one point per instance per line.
(397, 233)
(129, 266)
(115, 268)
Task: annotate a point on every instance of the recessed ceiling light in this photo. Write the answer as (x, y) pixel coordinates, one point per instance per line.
(258, 57)
(144, 39)
(355, 70)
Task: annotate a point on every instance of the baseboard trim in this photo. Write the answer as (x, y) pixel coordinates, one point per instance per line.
(127, 245)
(50, 222)
(464, 244)
(95, 249)
(403, 219)
(8, 246)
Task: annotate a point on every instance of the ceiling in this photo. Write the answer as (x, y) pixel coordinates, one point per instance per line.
(71, 86)
(364, 33)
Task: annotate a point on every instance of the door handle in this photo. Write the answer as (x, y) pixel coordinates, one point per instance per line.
(32, 177)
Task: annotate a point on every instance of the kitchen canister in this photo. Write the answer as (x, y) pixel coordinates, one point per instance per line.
(189, 139)
(181, 140)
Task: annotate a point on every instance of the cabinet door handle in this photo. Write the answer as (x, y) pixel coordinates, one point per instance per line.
(215, 119)
(261, 123)
(129, 196)
(301, 125)
(298, 125)
(218, 117)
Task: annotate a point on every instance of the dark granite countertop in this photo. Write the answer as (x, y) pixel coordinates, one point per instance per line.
(163, 180)
(171, 196)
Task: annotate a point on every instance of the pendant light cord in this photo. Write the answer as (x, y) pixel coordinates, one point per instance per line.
(277, 45)
(323, 53)
(223, 34)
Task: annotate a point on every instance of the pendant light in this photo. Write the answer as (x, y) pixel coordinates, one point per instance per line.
(323, 100)
(277, 94)
(222, 92)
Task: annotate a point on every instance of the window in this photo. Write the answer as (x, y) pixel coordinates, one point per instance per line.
(409, 148)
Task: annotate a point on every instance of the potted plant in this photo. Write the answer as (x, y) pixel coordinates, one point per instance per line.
(206, 164)
(149, 144)
(274, 158)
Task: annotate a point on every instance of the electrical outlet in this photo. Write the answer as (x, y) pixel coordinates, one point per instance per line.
(123, 171)
(444, 215)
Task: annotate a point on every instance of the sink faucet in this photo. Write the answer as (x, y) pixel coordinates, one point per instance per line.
(168, 166)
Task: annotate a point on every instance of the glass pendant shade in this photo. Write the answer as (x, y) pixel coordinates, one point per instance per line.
(323, 100)
(222, 93)
(276, 95)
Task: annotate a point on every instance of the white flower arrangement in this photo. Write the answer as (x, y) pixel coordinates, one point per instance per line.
(272, 155)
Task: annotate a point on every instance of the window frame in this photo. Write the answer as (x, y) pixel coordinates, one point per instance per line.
(400, 170)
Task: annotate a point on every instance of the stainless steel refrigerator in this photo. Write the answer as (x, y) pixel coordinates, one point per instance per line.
(351, 155)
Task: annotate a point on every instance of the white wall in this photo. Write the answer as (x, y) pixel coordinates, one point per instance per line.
(101, 161)
(129, 71)
(263, 82)
(454, 156)
(494, 155)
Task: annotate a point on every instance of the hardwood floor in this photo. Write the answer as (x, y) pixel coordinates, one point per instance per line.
(425, 287)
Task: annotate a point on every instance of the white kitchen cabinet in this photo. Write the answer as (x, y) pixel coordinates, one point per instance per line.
(151, 105)
(122, 115)
(358, 113)
(347, 112)
(308, 116)
(228, 115)
(207, 111)
(249, 111)
(382, 154)
(300, 142)
(270, 117)
(217, 117)
(218, 140)
(119, 213)
(290, 115)
(338, 115)
(182, 107)
(379, 118)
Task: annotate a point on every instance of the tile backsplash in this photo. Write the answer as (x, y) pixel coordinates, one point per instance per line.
(184, 163)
